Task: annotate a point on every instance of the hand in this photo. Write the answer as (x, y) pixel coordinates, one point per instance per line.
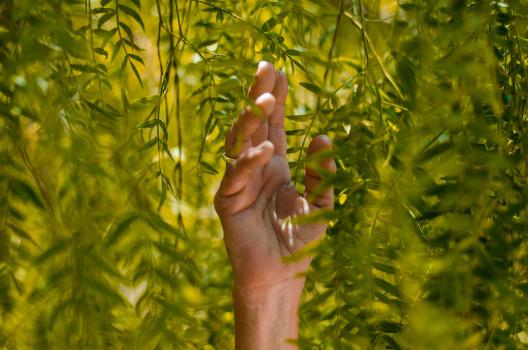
(259, 210)
(257, 202)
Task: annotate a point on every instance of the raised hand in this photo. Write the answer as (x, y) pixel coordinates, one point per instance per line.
(260, 209)
(257, 203)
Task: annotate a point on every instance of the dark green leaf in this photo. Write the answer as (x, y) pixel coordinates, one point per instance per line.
(209, 168)
(269, 24)
(119, 229)
(132, 13)
(53, 251)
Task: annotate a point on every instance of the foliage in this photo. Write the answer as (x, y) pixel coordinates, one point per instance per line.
(113, 114)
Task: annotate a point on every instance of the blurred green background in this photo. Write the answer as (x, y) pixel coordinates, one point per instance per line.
(112, 119)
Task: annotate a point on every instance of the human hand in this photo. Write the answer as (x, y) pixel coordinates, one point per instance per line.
(259, 209)
(257, 203)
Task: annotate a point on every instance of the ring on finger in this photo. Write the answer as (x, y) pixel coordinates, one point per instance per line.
(229, 160)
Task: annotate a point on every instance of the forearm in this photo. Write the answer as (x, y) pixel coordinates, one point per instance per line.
(266, 318)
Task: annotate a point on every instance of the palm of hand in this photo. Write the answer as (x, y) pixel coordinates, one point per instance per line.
(257, 203)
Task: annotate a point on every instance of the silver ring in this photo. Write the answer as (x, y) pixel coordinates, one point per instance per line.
(228, 159)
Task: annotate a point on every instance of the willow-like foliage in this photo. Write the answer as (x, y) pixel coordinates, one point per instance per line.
(112, 120)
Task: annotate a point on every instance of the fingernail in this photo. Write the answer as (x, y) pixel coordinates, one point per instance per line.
(266, 102)
(325, 138)
(262, 65)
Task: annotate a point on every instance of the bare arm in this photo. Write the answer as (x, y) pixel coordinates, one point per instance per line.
(267, 318)
(259, 209)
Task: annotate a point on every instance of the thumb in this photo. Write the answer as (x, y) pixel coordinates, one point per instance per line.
(239, 173)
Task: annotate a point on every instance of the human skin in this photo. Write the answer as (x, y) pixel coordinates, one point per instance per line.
(260, 208)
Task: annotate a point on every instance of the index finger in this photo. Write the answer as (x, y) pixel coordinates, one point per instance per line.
(264, 83)
(264, 80)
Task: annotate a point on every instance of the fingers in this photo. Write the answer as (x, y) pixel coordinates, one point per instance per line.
(238, 139)
(276, 133)
(319, 162)
(240, 171)
(264, 82)
(280, 90)
(260, 134)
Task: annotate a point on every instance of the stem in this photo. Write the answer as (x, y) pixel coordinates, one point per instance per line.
(367, 59)
(376, 56)
(162, 73)
(89, 4)
(175, 64)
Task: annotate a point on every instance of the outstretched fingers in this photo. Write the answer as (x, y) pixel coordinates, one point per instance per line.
(264, 83)
(250, 129)
(319, 164)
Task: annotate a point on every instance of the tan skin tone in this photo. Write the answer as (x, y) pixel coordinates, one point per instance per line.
(259, 209)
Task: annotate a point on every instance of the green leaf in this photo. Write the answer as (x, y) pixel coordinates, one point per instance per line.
(115, 49)
(294, 149)
(19, 231)
(137, 3)
(281, 16)
(434, 151)
(56, 249)
(25, 192)
(83, 68)
(207, 43)
(166, 75)
(136, 58)
(127, 30)
(105, 18)
(104, 290)
(296, 132)
(392, 342)
(387, 287)
(269, 24)
(132, 13)
(150, 144)
(300, 117)
(136, 73)
(100, 10)
(385, 268)
(119, 229)
(390, 326)
(157, 223)
(292, 52)
(101, 51)
(163, 195)
(102, 265)
(313, 88)
(407, 77)
(219, 16)
(131, 44)
(208, 167)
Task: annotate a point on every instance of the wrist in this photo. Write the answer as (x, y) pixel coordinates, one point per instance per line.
(266, 316)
